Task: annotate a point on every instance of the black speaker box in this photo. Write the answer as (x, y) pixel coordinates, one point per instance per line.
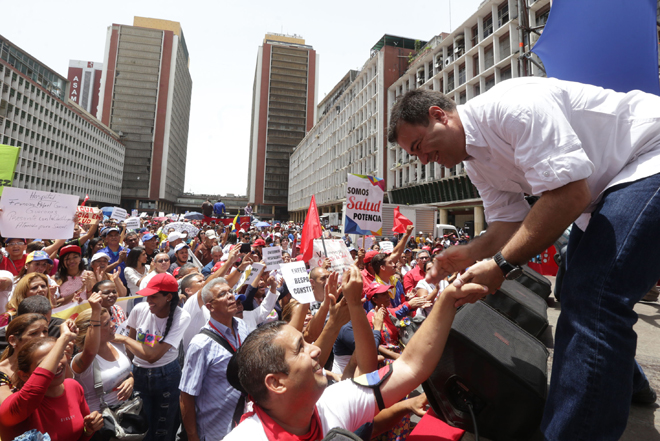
(521, 305)
(498, 367)
(536, 282)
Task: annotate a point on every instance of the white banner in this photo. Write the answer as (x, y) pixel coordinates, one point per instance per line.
(364, 205)
(297, 281)
(119, 214)
(133, 223)
(37, 214)
(340, 257)
(272, 257)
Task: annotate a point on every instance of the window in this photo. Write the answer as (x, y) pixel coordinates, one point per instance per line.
(489, 59)
(490, 82)
(505, 46)
(476, 89)
(475, 35)
(505, 73)
(502, 14)
(475, 65)
(461, 74)
(542, 15)
(488, 25)
(462, 98)
(450, 83)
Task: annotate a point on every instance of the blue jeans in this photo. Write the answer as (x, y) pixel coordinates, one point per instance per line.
(611, 266)
(159, 389)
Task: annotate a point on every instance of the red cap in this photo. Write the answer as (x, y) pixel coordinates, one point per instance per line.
(69, 249)
(427, 248)
(176, 271)
(217, 266)
(259, 243)
(162, 282)
(370, 255)
(375, 288)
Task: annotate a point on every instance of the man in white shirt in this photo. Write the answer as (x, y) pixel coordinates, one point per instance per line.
(593, 155)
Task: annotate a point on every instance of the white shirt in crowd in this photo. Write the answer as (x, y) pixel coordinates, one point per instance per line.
(133, 276)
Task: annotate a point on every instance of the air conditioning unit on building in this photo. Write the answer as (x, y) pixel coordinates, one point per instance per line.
(438, 62)
(448, 61)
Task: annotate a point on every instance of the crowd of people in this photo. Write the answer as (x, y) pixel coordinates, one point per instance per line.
(188, 311)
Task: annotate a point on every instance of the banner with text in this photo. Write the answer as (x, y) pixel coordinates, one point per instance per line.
(32, 213)
(119, 214)
(133, 223)
(89, 215)
(297, 281)
(364, 205)
(340, 257)
(272, 257)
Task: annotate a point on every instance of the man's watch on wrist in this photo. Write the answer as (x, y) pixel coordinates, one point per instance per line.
(510, 270)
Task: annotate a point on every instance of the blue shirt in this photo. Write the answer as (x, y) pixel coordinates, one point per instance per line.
(219, 208)
(115, 257)
(204, 376)
(208, 269)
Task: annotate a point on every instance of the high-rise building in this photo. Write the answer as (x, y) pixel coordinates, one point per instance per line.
(145, 97)
(283, 105)
(64, 149)
(85, 84)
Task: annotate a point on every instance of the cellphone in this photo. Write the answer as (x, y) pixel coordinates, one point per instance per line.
(245, 248)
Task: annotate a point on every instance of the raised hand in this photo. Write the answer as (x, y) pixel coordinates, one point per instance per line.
(352, 285)
(453, 259)
(95, 301)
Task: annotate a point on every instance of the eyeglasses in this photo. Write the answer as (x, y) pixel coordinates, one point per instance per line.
(162, 260)
(15, 244)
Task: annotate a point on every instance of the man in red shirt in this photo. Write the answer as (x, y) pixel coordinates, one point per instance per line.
(416, 274)
(16, 260)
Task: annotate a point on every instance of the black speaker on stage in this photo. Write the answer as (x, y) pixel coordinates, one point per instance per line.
(492, 363)
(521, 305)
(536, 282)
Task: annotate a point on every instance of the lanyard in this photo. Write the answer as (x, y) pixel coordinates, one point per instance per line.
(238, 337)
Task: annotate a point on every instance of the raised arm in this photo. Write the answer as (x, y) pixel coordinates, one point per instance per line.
(401, 245)
(84, 360)
(90, 233)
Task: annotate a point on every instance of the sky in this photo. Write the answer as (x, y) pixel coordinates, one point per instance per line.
(223, 39)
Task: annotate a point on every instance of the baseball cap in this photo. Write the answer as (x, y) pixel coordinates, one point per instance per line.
(211, 234)
(163, 282)
(375, 288)
(147, 237)
(174, 235)
(259, 243)
(176, 271)
(351, 249)
(180, 247)
(36, 256)
(370, 255)
(241, 298)
(69, 249)
(15, 238)
(110, 230)
(98, 256)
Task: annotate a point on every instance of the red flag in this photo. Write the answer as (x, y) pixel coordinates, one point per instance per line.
(400, 222)
(311, 230)
(86, 199)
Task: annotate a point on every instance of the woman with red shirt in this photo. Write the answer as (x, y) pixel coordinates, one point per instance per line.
(44, 399)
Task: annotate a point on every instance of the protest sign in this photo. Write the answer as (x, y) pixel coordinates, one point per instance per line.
(364, 205)
(119, 214)
(161, 214)
(133, 223)
(134, 213)
(88, 215)
(249, 275)
(272, 257)
(386, 246)
(8, 161)
(32, 213)
(340, 257)
(368, 242)
(297, 281)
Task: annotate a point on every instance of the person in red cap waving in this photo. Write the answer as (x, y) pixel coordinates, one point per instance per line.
(156, 330)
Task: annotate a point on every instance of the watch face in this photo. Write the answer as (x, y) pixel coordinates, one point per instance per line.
(514, 273)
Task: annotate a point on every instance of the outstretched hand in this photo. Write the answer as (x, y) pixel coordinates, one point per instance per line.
(453, 259)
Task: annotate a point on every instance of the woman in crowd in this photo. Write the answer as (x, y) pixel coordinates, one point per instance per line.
(39, 262)
(160, 265)
(95, 245)
(156, 330)
(429, 291)
(31, 284)
(20, 331)
(136, 268)
(99, 265)
(44, 399)
(71, 275)
(108, 292)
(94, 343)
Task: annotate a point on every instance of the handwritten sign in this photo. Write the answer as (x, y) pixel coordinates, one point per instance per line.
(119, 214)
(297, 280)
(249, 275)
(340, 257)
(89, 215)
(133, 223)
(272, 257)
(364, 205)
(32, 213)
(386, 246)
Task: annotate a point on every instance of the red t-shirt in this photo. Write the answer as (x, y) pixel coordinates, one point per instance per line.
(390, 333)
(61, 417)
(412, 277)
(13, 266)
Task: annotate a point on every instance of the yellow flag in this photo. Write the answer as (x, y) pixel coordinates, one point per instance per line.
(8, 161)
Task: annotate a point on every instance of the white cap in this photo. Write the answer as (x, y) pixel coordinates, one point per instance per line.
(180, 247)
(211, 234)
(174, 235)
(98, 256)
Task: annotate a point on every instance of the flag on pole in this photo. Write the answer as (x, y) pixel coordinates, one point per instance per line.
(86, 199)
(233, 224)
(311, 230)
(400, 222)
(8, 161)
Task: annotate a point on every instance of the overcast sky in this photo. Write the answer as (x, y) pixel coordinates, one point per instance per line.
(223, 38)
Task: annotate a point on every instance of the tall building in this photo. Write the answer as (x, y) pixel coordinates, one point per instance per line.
(64, 149)
(283, 105)
(350, 135)
(145, 97)
(85, 80)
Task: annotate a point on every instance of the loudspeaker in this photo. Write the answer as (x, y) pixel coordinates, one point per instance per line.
(498, 367)
(539, 284)
(521, 305)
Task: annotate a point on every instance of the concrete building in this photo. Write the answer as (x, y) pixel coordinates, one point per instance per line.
(145, 97)
(350, 135)
(484, 50)
(283, 106)
(193, 202)
(64, 149)
(85, 80)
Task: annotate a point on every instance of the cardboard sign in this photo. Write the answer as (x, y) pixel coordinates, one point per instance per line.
(297, 280)
(364, 205)
(32, 213)
(161, 214)
(133, 223)
(89, 215)
(119, 214)
(368, 242)
(340, 257)
(249, 275)
(272, 257)
(386, 246)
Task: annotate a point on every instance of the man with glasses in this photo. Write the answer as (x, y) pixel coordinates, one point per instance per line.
(15, 262)
(418, 273)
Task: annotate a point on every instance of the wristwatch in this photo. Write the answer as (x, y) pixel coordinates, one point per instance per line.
(510, 271)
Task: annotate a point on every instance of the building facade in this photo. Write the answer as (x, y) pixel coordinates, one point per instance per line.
(85, 84)
(145, 97)
(283, 105)
(193, 202)
(63, 148)
(484, 50)
(351, 131)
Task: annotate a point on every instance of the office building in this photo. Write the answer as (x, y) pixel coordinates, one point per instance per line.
(64, 149)
(85, 84)
(350, 135)
(145, 97)
(283, 105)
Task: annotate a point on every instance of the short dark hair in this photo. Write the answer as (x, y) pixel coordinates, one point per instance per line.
(257, 357)
(186, 269)
(413, 108)
(35, 305)
(377, 261)
(187, 281)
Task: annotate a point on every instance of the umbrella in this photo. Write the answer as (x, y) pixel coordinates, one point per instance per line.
(193, 215)
(184, 226)
(262, 224)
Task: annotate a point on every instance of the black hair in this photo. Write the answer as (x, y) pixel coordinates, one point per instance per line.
(414, 107)
(91, 246)
(34, 305)
(186, 269)
(231, 238)
(97, 285)
(187, 281)
(62, 272)
(377, 261)
(133, 256)
(174, 303)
